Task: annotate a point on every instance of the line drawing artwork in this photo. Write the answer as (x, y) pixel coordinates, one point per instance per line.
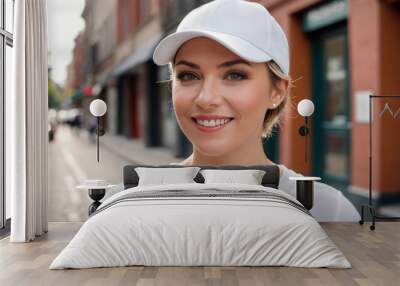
(387, 108)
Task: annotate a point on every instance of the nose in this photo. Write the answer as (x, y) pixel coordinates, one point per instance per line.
(209, 96)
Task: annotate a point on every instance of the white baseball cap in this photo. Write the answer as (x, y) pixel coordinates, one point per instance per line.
(245, 28)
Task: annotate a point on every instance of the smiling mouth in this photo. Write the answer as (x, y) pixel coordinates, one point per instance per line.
(211, 125)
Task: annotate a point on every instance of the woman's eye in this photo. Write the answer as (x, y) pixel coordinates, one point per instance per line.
(236, 76)
(186, 76)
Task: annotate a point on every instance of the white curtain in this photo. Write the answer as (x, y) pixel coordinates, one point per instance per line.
(26, 123)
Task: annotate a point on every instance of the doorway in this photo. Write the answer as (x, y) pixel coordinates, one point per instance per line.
(331, 120)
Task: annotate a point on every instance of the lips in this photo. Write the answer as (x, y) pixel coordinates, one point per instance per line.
(212, 125)
(211, 117)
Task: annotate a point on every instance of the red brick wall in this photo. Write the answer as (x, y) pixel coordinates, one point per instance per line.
(127, 17)
(363, 28)
(374, 38)
(135, 6)
(78, 60)
(374, 41)
(389, 84)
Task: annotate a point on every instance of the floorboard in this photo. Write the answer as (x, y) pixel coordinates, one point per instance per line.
(374, 255)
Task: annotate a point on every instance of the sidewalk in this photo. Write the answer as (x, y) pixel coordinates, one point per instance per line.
(135, 151)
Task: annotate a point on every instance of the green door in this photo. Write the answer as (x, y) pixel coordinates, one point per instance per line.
(331, 120)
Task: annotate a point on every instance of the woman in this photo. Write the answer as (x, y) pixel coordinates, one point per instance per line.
(229, 64)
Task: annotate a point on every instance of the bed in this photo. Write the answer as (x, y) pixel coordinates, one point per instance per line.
(201, 224)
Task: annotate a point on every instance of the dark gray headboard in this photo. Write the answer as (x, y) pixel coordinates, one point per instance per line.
(270, 179)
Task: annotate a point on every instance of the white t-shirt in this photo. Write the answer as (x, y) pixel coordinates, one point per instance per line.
(329, 203)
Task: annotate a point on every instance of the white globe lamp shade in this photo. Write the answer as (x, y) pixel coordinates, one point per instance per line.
(305, 107)
(98, 107)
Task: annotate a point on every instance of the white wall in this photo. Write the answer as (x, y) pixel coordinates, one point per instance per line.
(7, 82)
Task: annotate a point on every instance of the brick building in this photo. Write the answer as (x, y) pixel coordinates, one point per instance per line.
(342, 51)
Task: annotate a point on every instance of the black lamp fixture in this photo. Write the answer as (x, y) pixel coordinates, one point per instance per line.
(305, 109)
(305, 185)
(98, 108)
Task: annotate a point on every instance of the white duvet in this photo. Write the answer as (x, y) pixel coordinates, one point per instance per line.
(203, 231)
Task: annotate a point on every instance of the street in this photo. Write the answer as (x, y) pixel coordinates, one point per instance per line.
(72, 160)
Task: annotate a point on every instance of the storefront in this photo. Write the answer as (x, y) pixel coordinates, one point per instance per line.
(326, 27)
(341, 51)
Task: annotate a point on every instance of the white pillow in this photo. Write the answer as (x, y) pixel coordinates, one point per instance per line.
(162, 176)
(249, 177)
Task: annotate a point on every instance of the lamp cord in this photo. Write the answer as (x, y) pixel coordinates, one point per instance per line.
(97, 131)
(305, 139)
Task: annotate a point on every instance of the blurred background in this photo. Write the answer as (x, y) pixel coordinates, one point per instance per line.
(341, 52)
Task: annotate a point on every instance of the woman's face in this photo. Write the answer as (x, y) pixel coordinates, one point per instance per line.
(210, 82)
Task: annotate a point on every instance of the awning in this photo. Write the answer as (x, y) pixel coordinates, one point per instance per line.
(139, 56)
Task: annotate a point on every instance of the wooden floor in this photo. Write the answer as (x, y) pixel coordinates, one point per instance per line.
(374, 255)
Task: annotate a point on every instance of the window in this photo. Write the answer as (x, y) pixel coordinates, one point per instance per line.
(6, 43)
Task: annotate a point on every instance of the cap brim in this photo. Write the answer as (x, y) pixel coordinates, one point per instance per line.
(167, 48)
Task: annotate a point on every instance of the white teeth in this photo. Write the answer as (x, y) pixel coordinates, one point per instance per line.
(212, 123)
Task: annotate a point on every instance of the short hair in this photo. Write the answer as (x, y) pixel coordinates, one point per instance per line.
(272, 116)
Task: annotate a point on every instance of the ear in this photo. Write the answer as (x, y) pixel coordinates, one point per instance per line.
(278, 93)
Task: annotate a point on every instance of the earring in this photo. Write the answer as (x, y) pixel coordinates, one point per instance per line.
(273, 105)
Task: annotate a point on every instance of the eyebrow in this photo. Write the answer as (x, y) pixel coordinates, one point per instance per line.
(223, 65)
